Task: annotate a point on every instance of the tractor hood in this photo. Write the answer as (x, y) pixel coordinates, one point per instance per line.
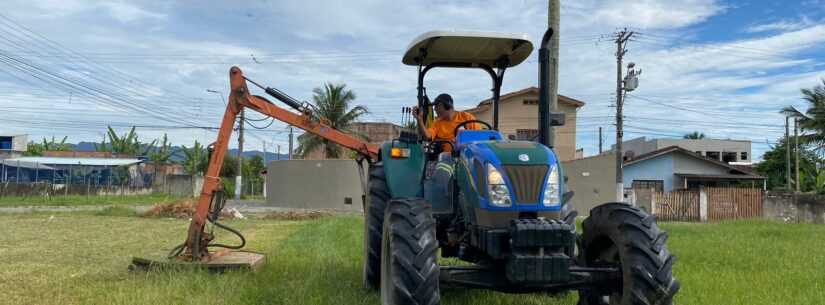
(510, 153)
(524, 166)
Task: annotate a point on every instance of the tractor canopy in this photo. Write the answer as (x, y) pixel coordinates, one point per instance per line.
(467, 48)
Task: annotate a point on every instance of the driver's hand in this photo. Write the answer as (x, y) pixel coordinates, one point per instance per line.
(417, 114)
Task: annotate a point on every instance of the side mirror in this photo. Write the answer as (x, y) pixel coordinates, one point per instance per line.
(557, 118)
(511, 137)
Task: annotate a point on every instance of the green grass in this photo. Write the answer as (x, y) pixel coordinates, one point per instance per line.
(79, 200)
(82, 258)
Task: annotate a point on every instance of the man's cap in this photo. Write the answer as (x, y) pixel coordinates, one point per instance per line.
(444, 99)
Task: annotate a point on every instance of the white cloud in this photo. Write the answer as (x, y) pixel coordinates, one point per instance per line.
(129, 12)
(781, 26)
(647, 14)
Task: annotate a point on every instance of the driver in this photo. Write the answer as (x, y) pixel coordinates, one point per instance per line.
(443, 128)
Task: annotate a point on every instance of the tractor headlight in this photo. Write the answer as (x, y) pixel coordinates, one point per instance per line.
(499, 193)
(552, 191)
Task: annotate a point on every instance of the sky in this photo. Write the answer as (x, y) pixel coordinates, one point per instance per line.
(723, 68)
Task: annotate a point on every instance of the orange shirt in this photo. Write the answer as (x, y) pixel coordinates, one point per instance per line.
(443, 129)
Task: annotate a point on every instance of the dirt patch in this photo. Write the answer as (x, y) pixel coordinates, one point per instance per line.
(297, 215)
(183, 208)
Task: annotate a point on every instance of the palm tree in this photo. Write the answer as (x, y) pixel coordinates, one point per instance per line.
(160, 155)
(195, 159)
(694, 135)
(332, 107)
(126, 144)
(812, 121)
(37, 149)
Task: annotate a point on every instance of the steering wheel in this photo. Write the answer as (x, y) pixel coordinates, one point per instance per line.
(455, 131)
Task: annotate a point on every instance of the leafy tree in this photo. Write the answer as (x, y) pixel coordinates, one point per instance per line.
(773, 166)
(812, 121)
(162, 153)
(332, 107)
(819, 182)
(195, 159)
(126, 144)
(694, 135)
(37, 149)
(229, 169)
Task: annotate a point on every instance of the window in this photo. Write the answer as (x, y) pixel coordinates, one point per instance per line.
(712, 155)
(531, 102)
(728, 157)
(657, 185)
(5, 143)
(527, 134)
(743, 156)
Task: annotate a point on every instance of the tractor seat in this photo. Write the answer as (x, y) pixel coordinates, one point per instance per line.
(469, 136)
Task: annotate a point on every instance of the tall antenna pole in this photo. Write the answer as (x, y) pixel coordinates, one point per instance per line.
(621, 39)
(554, 22)
(788, 153)
(289, 153)
(796, 151)
(239, 176)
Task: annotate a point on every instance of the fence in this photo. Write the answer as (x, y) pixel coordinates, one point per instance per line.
(734, 203)
(712, 203)
(682, 205)
(31, 172)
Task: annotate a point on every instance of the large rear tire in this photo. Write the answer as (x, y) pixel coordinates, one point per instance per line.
(620, 235)
(409, 256)
(376, 205)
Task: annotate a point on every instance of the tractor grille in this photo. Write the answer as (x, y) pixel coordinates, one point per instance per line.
(527, 181)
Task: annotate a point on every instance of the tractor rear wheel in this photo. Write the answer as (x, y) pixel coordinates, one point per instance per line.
(409, 256)
(626, 237)
(376, 205)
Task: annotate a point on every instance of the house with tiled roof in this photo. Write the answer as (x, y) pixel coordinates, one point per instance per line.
(519, 115)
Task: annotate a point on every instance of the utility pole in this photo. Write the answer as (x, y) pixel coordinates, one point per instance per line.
(621, 40)
(289, 153)
(238, 177)
(787, 153)
(279, 151)
(265, 156)
(554, 21)
(600, 140)
(796, 151)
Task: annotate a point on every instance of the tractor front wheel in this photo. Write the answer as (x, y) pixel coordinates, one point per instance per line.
(409, 254)
(619, 235)
(376, 205)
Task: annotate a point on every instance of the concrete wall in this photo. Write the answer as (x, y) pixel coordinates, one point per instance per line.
(637, 146)
(593, 180)
(176, 185)
(642, 145)
(314, 184)
(514, 115)
(704, 145)
(20, 143)
(786, 207)
(658, 168)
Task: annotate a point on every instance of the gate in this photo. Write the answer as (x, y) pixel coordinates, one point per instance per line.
(680, 205)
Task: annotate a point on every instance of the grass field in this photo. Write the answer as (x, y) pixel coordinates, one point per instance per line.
(75, 200)
(82, 258)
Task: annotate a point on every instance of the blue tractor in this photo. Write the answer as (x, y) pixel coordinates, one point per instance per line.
(498, 204)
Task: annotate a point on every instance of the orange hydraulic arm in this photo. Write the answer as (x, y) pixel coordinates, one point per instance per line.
(197, 240)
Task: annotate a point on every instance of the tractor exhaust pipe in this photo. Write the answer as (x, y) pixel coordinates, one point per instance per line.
(544, 89)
